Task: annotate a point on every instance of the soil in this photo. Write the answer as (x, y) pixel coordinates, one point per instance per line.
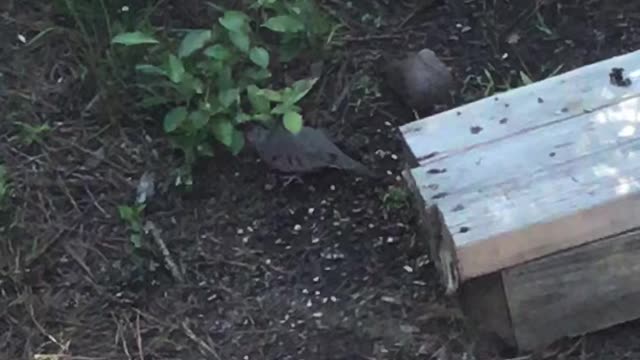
(330, 268)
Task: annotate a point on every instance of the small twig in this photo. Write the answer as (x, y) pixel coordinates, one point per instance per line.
(191, 335)
(80, 262)
(43, 331)
(155, 233)
(426, 5)
(373, 37)
(139, 337)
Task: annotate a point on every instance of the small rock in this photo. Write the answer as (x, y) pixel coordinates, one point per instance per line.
(421, 79)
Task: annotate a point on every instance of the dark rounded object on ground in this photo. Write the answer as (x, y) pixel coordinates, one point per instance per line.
(420, 79)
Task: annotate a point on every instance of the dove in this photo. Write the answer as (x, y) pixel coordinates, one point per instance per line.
(420, 79)
(310, 150)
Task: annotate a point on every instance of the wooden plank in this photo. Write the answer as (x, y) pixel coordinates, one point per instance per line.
(484, 303)
(534, 214)
(574, 292)
(520, 110)
(532, 151)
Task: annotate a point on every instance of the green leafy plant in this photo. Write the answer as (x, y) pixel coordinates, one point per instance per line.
(395, 198)
(132, 216)
(30, 134)
(300, 24)
(212, 80)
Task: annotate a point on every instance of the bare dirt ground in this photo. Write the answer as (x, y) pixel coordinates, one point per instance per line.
(328, 269)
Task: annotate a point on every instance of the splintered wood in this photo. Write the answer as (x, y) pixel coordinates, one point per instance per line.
(543, 169)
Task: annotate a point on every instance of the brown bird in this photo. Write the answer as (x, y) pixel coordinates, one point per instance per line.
(420, 79)
(308, 151)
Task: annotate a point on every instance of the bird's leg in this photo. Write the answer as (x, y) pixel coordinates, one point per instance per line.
(288, 179)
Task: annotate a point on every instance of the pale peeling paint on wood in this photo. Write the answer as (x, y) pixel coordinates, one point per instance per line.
(520, 110)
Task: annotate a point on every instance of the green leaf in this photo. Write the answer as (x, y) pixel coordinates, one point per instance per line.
(241, 118)
(261, 117)
(218, 52)
(292, 121)
(174, 118)
(300, 89)
(134, 38)
(284, 108)
(284, 23)
(125, 212)
(234, 21)
(240, 40)
(237, 142)
(150, 69)
(225, 79)
(258, 100)
(176, 69)
(228, 97)
(199, 119)
(259, 56)
(194, 41)
(223, 132)
(272, 95)
(193, 83)
(257, 74)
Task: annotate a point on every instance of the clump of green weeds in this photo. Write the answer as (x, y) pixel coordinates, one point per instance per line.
(206, 81)
(396, 198)
(132, 215)
(214, 79)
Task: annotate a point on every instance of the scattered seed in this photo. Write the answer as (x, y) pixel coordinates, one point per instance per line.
(408, 268)
(297, 227)
(389, 299)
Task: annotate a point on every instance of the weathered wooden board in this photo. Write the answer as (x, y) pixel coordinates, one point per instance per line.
(521, 110)
(527, 152)
(532, 214)
(574, 292)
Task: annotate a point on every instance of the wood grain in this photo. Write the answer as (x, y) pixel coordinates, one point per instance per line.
(520, 110)
(484, 303)
(573, 292)
(559, 143)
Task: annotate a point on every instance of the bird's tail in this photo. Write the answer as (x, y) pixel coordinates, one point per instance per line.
(361, 169)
